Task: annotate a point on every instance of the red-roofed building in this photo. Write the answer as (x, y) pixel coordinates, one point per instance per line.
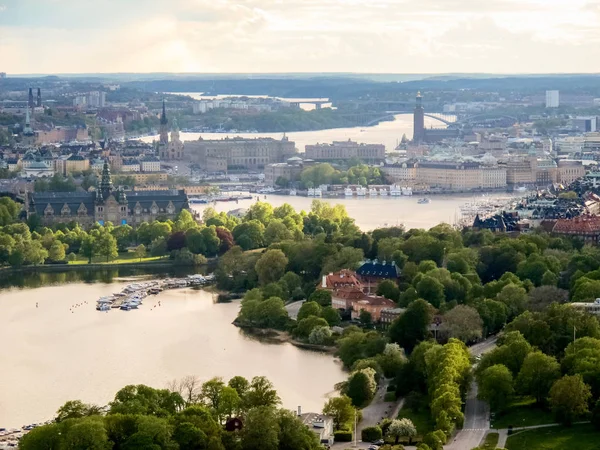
(372, 304)
(584, 227)
(343, 278)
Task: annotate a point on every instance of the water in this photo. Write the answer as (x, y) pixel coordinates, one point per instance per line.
(371, 213)
(387, 133)
(52, 355)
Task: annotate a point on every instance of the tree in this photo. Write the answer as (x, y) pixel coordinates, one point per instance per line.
(306, 326)
(361, 387)
(106, 245)
(76, 409)
(365, 318)
(309, 309)
(389, 289)
(434, 440)
(321, 296)
(464, 323)
(402, 428)
(47, 437)
(391, 360)
(88, 434)
(431, 290)
(57, 252)
(293, 434)
(270, 267)
(542, 297)
(496, 386)
(332, 316)
(141, 399)
(569, 397)
(240, 384)
(412, 326)
(88, 248)
(260, 429)
(537, 375)
(341, 410)
(319, 335)
(514, 297)
(276, 231)
(261, 393)
(140, 251)
(249, 235)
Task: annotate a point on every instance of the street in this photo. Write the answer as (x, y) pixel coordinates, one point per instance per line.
(293, 308)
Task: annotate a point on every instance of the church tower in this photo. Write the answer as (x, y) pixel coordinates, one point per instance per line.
(106, 181)
(39, 98)
(30, 102)
(164, 128)
(419, 121)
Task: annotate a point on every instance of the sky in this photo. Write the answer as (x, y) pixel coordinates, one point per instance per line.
(253, 36)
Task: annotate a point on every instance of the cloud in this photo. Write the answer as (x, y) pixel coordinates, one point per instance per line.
(54, 36)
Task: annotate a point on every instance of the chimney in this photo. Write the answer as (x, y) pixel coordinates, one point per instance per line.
(324, 282)
(299, 410)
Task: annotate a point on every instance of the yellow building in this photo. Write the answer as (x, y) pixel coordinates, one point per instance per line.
(453, 176)
(569, 171)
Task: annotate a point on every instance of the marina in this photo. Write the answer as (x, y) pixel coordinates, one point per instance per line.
(133, 295)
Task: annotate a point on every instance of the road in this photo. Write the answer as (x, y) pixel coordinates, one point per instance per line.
(477, 413)
(293, 308)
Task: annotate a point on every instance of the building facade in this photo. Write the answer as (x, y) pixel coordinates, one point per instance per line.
(106, 204)
(284, 171)
(239, 153)
(344, 150)
(405, 172)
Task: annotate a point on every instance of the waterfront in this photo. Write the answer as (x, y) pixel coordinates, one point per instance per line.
(58, 351)
(378, 212)
(387, 133)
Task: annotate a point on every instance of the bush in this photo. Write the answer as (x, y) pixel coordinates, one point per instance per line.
(435, 440)
(398, 447)
(389, 397)
(342, 436)
(371, 434)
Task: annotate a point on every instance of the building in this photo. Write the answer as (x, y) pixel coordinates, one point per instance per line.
(169, 150)
(76, 163)
(419, 121)
(39, 169)
(592, 308)
(221, 155)
(586, 228)
(453, 176)
(106, 204)
(39, 98)
(521, 171)
(30, 101)
(388, 316)
(585, 124)
(319, 424)
(150, 164)
(494, 144)
(552, 99)
(569, 171)
(493, 178)
(371, 273)
(405, 172)
(289, 171)
(373, 304)
(130, 166)
(148, 177)
(344, 150)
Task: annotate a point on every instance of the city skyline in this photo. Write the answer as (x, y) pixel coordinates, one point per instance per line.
(268, 36)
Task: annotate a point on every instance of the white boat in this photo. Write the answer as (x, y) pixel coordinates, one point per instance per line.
(373, 192)
(361, 191)
(311, 192)
(103, 307)
(348, 192)
(423, 201)
(407, 191)
(292, 192)
(318, 192)
(267, 190)
(395, 191)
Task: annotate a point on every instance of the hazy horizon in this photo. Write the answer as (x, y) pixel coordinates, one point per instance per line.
(300, 36)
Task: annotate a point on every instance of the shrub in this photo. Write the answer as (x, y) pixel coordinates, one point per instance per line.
(342, 436)
(389, 397)
(371, 434)
(435, 440)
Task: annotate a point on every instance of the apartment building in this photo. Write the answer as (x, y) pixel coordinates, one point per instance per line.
(569, 171)
(344, 150)
(405, 172)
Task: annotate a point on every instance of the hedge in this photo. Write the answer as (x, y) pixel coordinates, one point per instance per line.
(371, 434)
(342, 436)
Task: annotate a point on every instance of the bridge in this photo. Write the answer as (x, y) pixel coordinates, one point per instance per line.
(444, 118)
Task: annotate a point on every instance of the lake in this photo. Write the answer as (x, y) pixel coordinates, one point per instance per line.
(59, 351)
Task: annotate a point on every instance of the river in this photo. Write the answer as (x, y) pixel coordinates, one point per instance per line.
(58, 351)
(387, 133)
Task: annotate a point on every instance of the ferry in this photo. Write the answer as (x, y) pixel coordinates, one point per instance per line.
(348, 192)
(423, 201)
(202, 201)
(361, 191)
(373, 192)
(407, 191)
(267, 190)
(395, 191)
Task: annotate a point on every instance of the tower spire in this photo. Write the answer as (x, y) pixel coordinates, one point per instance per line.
(163, 116)
(106, 182)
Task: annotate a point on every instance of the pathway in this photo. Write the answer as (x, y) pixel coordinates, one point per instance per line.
(503, 432)
(294, 308)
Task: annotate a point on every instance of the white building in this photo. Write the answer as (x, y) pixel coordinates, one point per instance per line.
(150, 164)
(552, 99)
(39, 169)
(493, 178)
(570, 144)
(130, 166)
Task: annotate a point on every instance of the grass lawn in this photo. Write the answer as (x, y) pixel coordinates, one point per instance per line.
(123, 258)
(578, 437)
(491, 440)
(523, 412)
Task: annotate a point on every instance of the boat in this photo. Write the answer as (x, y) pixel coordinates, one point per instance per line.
(267, 190)
(348, 192)
(361, 191)
(423, 201)
(125, 307)
(373, 192)
(311, 192)
(202, 201)
(318, 192)
(292, 192)
(395, 191)
(103, 307)
(407, 191)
